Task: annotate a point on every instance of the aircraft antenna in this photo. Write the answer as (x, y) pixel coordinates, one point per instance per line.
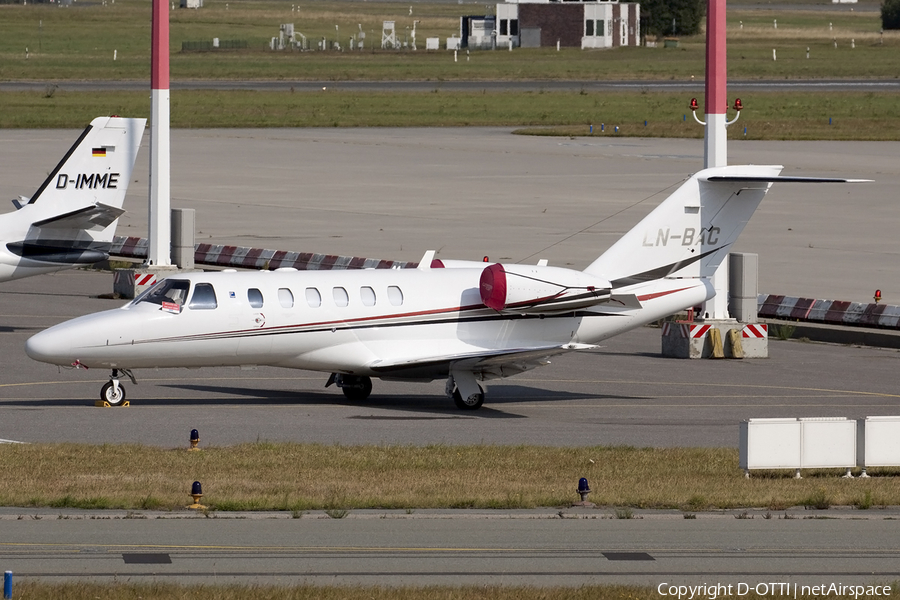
(606, 218)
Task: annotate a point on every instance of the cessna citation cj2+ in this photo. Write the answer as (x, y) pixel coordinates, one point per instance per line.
(463, 321)
(71, 219)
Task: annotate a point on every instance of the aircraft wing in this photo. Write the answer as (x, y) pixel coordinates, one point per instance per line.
(489, 364)
(96, 217)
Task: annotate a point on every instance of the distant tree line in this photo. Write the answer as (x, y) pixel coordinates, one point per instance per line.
(675, 17)
(890, 14)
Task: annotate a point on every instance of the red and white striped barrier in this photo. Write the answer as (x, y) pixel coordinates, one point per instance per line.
(259, 258)
(144, 279)
(685, 330)
(755, 331)
(834, 312)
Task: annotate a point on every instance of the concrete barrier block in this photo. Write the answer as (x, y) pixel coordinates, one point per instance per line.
(854, 313)
(818, 311)
(786, 307)
(802, 308)
(835, 314)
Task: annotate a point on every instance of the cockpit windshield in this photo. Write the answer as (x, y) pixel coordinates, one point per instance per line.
(168, 290)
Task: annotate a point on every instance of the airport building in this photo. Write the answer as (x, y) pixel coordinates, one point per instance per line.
(546, 23)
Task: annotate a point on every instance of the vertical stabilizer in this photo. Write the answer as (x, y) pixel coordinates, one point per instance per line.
(71, 218)
(692, 231)
(94, 172)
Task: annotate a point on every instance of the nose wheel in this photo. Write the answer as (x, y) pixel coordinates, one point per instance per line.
(113, 392)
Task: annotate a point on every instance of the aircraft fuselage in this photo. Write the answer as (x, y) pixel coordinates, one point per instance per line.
(383, 323)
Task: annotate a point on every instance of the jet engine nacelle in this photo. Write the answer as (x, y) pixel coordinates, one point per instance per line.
(540, 289)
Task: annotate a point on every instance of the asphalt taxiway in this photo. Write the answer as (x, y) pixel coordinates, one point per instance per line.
(623, 393)
(395, 193)
(466, 193)
(391, 548)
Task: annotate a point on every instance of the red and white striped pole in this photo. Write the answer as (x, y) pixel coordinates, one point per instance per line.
(715, 138)
(160, 225)
(715, 148)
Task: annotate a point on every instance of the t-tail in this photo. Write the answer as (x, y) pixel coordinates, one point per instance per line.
(692, 231)
(669, 254)
(71, 219)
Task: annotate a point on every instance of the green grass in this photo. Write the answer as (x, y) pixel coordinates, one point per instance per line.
(79, 43)
(303, 477)
(780, 116)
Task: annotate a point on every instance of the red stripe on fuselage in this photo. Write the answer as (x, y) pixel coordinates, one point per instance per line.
(373, 319)
(661, 294)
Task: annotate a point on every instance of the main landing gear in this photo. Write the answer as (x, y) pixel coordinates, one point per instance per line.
(112, 392)
(355, 387)
(464, 390)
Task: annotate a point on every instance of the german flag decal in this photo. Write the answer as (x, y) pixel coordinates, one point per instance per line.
(99, 152)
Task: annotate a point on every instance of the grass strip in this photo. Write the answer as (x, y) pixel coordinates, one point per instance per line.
(767, 116)
(301, 477)
(132, 591)
(111, 41)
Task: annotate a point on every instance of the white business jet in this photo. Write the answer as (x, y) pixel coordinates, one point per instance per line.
(71, 219)
(463, 321)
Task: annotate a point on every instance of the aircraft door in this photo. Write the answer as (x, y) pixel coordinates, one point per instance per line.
(255, 343)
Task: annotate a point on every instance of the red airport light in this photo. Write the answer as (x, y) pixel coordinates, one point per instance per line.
(737, 104)
(485, 259)
(694, 105)
(877, 296)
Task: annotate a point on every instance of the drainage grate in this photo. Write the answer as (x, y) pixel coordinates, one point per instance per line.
(627, 556)
(147, 559)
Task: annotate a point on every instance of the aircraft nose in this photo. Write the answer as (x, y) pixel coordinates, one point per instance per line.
(47, 346)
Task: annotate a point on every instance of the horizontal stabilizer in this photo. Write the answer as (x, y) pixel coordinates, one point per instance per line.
(96, 217)
(57, 253)
(785, 179)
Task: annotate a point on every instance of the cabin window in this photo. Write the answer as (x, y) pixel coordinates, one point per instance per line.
(313, 298)
(255, 297)
(167, 290)
(341, 298)
(367, 295)
(285, 298)
(395, 295)
(204, 297)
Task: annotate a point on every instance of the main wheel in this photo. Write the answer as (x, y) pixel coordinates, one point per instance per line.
(356, 388)
(473, 402)
(110, 395)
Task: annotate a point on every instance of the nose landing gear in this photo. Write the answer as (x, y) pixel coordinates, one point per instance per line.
(112, 392)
